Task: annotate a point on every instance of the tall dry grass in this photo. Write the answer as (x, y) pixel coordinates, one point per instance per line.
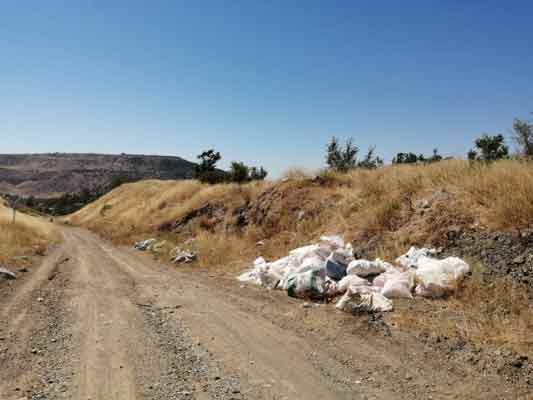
(495, 313)
(28, 236)
(361, 204)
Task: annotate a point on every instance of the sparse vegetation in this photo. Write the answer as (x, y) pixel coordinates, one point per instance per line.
(341, 159)
(489, 148)
(523, 136)
(29, 236)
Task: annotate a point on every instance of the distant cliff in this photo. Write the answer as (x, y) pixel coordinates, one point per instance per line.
(54, 174)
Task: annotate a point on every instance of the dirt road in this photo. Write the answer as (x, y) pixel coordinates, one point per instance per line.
(98, 322)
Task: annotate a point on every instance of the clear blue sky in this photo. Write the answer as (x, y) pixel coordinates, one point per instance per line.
(264, 82)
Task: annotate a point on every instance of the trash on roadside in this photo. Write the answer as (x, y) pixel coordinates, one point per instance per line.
(365, 268)
(7, 274)
(329, 269)
(157, 247)
(434, 277)
(180, 256)
(357, 302)
(144, 245)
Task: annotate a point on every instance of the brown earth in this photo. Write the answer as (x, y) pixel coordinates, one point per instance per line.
(99, 322)
(53, 174)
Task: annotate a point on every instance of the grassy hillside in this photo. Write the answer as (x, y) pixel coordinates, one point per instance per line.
(382, 212)
(29, 236)
(387, 209)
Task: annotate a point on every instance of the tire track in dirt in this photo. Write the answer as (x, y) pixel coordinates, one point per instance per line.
(32, 325)
(129, 349)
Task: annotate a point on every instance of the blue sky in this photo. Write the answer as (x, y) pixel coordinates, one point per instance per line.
(264, 82)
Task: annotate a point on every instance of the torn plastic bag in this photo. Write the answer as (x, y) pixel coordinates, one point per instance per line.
(351, 281)
(144, 244)
(334, 242)
(343, 255)
(365, 268)
(311, 263)
(307, 285)
(356, 302)
(410, 259)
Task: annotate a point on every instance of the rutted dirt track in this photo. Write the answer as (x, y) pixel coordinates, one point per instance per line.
(97, 322)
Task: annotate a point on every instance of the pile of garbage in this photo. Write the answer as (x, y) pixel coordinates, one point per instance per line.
(329, 269)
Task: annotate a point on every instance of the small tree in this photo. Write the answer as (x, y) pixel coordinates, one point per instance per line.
(258, 174)
(436, 156)
(341, 159)
(472, 154)
(239, 172)
(370, 161)
(523, 136)
(405, 158)
(206, 170)
(489, 148)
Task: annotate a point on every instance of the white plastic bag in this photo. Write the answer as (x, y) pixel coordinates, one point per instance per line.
(398, 285)
(365, 268)
(436, 278)
(351, 282)
(410, 259)
(307, 285)
(364, 302)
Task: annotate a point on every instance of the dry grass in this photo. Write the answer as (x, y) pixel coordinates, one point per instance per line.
(363, 205)
(496, 313)
(29, 236)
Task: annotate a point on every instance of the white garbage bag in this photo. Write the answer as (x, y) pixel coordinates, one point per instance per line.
(334, 241)
(437, 278)
(397, 285)
(307, 285)
(343, 255)
(410, 259)
(311, 263)
(351, 282)
(354, 302)
(144, 244)
(365, 268)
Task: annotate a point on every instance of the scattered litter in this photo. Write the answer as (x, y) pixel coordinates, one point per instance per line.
(329, 269)
(144, 245)
(7, 274)
(157, 247)
(180, 256)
